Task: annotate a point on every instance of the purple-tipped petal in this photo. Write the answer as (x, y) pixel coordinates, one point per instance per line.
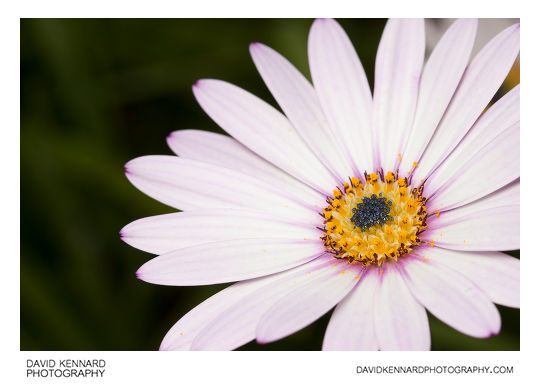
(226, 152)
(229, 260)
(488, 224)
(237, 324)
(480, 81)
(351, 325)
(451, 297)
(343, 89)
(187, 184)
(264, 130)
(398, 67)
(296, 96)
(166, 233)
(507, 195)
(495, 273)
(492, 167)
(400, 321)
(305, 303)
(440, 78)
(181, 335)
(486, 159)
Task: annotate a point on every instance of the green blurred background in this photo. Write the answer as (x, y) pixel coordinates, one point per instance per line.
(97, 93)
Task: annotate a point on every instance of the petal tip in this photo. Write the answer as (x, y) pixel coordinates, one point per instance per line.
(139, 274)
(171, 137)
(261, 340)
(198, 84)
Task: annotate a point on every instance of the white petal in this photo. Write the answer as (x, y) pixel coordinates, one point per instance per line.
(351, 325)
(236, 325)
(503, 115)
(307, 302)
(398, 66)
(439, 81)
(343, 89)
(228, 260)
(490, 168)
(495, 273)
(480, 81)
(224, 151)
(262, 129)
(469, 229)
(181, 335)
(451, 297)
(165, 233)
(296, 96)
(187, 184)
(401, 323)
(507, 195)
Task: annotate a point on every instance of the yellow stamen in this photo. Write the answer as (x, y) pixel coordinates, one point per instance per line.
(389, 240)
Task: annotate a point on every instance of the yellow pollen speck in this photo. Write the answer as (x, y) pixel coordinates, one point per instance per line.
(414, 164)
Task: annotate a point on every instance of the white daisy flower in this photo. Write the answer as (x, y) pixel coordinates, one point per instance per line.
(384, 206)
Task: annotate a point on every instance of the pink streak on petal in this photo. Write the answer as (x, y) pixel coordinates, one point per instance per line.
(306, 303)
(480, 81)
(504, 115)
(440, 78)
(401, 322)
(237, 324)
(492, 167)
(299, 101)
(351, 325)
(398, 67)
(470, 229)
(185, 330)
(262, 129)
(188, 184)
(226, 152)
(228, 261)
(343, 89)
(451, 297)
(495, 273)
(166, 233)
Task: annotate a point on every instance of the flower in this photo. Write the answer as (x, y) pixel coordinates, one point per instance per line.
(386, 206)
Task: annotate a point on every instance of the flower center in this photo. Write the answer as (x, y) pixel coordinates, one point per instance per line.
(373, 222)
